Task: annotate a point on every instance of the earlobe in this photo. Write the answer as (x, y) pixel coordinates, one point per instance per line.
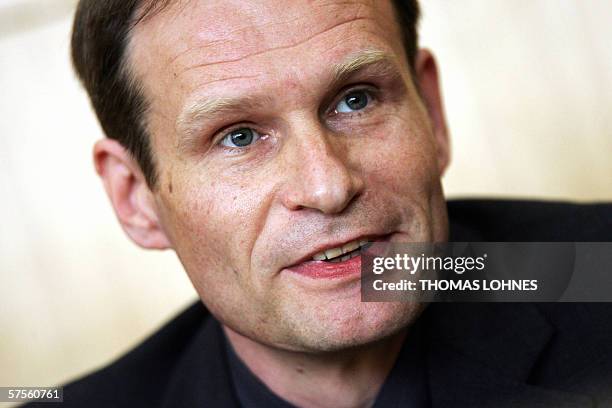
(129, 194)
(429, 86)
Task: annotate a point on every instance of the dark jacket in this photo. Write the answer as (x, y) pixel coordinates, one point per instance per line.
(478, 354)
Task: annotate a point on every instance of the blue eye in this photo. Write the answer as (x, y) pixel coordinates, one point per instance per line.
(353, 101)
(242, 137)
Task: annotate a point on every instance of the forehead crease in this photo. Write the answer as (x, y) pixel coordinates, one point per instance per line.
(256, 51)
(204, 46)
(230, 38)
(246, 19)
(213, 33)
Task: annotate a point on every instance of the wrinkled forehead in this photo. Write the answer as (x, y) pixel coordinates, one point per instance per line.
(202, 44)
(234, 28)
(199, 33)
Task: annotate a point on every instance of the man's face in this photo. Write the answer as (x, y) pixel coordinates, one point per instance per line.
(281, 130)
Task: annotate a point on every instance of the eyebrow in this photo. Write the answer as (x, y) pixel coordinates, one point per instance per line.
(190, 119)
(384, 62)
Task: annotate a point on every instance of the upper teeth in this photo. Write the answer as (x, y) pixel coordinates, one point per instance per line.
(336, 252)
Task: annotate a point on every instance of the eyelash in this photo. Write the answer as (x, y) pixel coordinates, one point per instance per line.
(226, 131)
(371, 90)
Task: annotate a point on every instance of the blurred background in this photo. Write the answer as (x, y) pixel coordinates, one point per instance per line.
(528, 91)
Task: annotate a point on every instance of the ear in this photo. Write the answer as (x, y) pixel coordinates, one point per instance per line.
(129, 194)
(429, 87)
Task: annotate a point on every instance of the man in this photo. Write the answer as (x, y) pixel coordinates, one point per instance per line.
(265, 142)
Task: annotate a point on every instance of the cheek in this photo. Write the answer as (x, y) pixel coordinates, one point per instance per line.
(214, 223)
(401, 156)
(401, 173)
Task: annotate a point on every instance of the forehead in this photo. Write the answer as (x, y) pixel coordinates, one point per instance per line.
(235, 28)
(235, 45)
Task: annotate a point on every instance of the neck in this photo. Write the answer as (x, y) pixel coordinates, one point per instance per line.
(348, 378)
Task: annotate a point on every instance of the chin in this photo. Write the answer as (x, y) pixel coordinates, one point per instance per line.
(336, 330)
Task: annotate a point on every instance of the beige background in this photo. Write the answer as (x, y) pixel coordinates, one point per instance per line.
(528, 89)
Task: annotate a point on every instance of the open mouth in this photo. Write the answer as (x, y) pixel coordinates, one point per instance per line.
(343, 253)
(342, 262)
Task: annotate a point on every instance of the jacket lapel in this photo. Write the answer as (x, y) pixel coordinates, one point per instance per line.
(482, 354)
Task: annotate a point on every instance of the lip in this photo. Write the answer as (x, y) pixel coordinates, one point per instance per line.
(333, 270)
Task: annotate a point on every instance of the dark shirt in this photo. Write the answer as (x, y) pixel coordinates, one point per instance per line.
(405, 386)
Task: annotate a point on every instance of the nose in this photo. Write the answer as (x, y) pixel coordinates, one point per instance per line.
(318, 173)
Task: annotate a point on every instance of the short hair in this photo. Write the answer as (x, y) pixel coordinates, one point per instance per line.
(100, 36)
